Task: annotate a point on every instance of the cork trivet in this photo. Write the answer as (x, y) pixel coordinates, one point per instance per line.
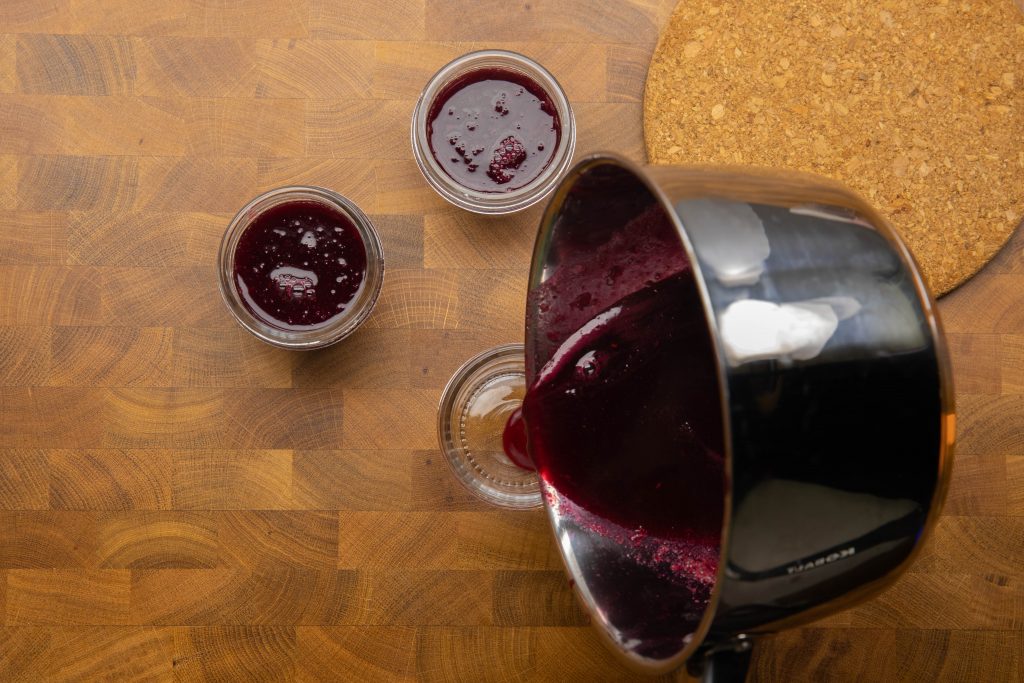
(916, 104)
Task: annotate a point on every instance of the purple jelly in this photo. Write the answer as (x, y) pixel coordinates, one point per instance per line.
(299, 265)
(493, 130)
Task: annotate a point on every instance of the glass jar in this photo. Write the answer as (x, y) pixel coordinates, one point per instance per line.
(311, 336)
(492, 202)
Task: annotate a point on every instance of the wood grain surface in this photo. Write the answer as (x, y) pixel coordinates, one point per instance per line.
(180, 502)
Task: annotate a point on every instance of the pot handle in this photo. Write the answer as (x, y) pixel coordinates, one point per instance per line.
(725, 663)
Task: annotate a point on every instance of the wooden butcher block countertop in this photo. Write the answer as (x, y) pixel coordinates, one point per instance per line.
(180, 501)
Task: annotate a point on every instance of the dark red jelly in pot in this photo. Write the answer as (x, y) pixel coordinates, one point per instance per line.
(299, 265)
(493, 130)
(623, 421)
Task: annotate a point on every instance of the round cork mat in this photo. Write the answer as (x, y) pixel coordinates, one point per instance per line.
(916, 104)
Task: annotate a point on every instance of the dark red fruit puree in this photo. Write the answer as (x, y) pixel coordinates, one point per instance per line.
(624, 425)
(493, 130)
(299, 265)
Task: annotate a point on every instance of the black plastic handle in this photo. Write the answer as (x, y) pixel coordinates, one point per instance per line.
(725, 662)
(727, 666)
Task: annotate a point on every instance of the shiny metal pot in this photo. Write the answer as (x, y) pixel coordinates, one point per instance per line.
(835, 391)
